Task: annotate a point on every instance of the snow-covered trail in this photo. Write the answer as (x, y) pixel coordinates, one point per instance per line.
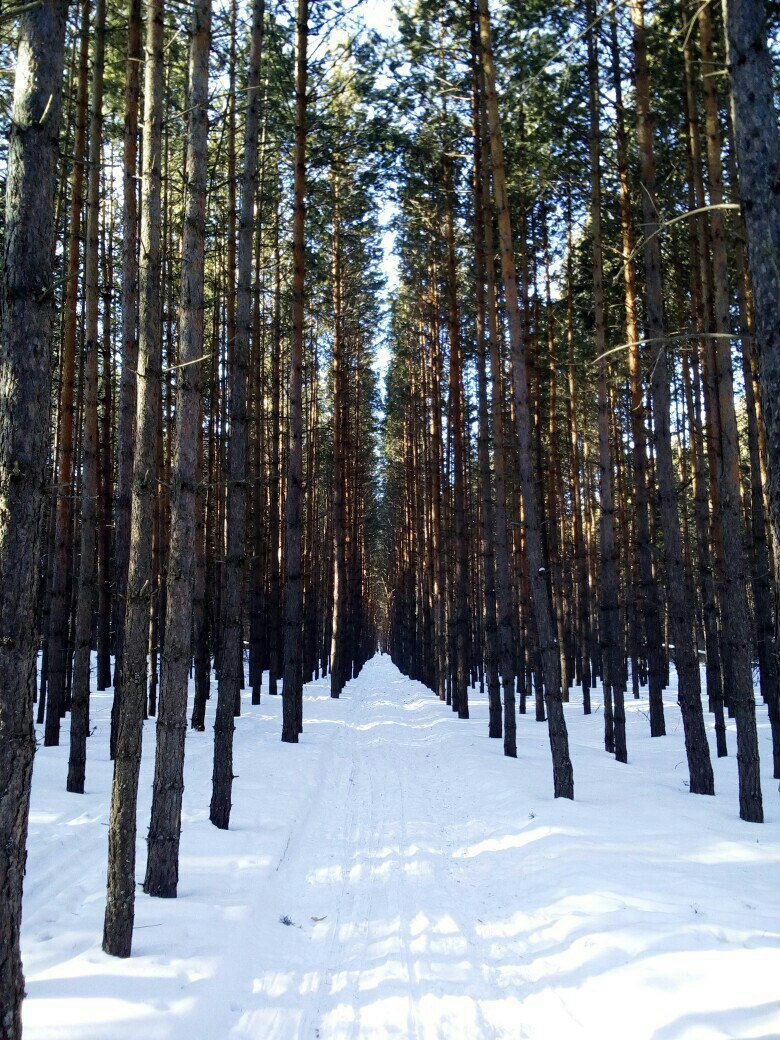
(432, 888)
(373, 872)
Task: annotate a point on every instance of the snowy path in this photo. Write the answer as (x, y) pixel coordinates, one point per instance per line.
(435, 890)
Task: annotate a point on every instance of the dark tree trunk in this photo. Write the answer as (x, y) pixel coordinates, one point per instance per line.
(293, 589)
(79, 727)
(648, 599)
(338, 647)
(680, 608)
(736, 618)
(275, 520)
(26, 297)
(128, 379)
(460, 700)
(59, 611)
(162, 867)
(120, 905)
(493, 656)
(757, 140)
(231, 674)
(609, 629)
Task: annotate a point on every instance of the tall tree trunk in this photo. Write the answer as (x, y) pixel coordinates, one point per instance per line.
(649, 602)
(460, 701)
(493, 656)
(736, 619)
(709, 550)
(563, 776)
(610, 607)
(162, 867)
(680, 608)
(293, 591)
(64, 492)
(575, 469)
(275, 520)
(106, 529)
(128, 378)
(120, 904)
(338, 646)
(757, 140)
(79, 727)
(507, 623)
(26, 298)
(231, 674)
(769, 673)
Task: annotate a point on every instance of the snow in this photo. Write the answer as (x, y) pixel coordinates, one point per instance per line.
(435, 889)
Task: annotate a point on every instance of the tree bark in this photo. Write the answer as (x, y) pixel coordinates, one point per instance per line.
(609, 629)
(736, 619)
(460, 697)
(293, 591)
(649, 603)
(231, 674)
(26, 298)
(757, 140)
(338, 648)
(162, 867)
(493, 656)
(62, 562)
(128, 378)
(120, 904)
(82, 637)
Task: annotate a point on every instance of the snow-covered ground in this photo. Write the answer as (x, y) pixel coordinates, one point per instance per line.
(433, 889)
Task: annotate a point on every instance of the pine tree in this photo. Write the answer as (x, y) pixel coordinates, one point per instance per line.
(25, 379)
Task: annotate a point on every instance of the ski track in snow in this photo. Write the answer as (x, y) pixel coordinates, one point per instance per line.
(436, 889)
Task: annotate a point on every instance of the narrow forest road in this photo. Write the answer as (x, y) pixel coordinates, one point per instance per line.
(393, 876)
(376, 885)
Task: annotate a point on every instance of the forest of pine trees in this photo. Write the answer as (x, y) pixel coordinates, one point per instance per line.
(535, 452)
